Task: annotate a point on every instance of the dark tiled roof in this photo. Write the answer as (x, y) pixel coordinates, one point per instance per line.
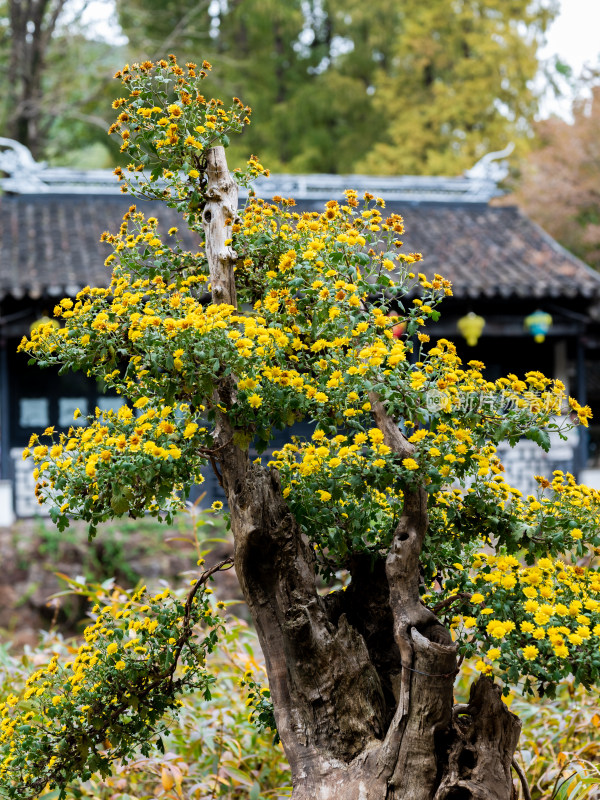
(495, 252)
(50, 245)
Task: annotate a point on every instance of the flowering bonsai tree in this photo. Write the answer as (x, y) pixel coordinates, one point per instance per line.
(375, 556)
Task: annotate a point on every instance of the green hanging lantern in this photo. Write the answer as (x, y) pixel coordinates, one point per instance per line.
(538, 324)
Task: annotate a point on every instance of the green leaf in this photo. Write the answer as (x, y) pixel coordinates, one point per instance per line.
(539, 436)
(254, 793)
(119, 502)
(236, 773)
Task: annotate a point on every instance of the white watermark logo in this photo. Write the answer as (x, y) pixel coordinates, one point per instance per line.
(493, 403)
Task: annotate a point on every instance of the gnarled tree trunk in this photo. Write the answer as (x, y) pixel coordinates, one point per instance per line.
(361, 680)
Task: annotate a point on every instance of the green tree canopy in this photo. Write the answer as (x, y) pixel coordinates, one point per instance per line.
(386, 88)
(341, 86)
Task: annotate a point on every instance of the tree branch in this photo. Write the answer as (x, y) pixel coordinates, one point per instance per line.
(186, 628)
(450, 600)
(219, 215)
(393, 436)
(522, 779)
(184, 24)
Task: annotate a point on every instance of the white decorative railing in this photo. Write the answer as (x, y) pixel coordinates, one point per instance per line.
(24, 175)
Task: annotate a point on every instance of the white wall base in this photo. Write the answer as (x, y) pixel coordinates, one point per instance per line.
(7, 514)
(590, 477)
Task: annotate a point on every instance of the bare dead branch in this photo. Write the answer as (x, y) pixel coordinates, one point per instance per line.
(522, 779)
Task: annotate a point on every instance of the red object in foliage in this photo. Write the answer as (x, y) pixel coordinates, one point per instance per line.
(398, 329)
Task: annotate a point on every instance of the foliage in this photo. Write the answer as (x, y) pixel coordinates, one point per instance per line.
(342, 86)
(320, 296)
(461, 85)
(564, 169)
(106, 704)
(157, 26)
(114, 556)
(53, 101)
(444, 88)
(280, 58)
(126, 549)
(209, 747)
(559, 744)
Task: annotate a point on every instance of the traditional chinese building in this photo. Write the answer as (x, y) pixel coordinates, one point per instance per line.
(503, 267)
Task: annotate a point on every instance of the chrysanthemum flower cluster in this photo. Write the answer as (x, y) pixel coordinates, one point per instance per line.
(110, 700)
(536, 624)
(332, 319)
(166, 126)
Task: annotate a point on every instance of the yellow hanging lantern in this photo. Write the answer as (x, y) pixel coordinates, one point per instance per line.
(471, 326)
(44, 321)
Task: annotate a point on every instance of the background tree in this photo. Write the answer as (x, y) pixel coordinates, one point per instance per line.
(53, 101)
(158, 26)
(460, 85)
(559, 180)
(279, 58)
(444, 87)
(30, 29)
(397, 504)
(346, 87)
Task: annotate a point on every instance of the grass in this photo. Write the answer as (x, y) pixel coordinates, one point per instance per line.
(560, 744)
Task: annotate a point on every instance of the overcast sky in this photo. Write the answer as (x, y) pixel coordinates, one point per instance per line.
(574, 37)
(575, 34)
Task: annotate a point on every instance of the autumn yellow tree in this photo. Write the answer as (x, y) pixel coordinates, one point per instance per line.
(460, 84)
(374, 556)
